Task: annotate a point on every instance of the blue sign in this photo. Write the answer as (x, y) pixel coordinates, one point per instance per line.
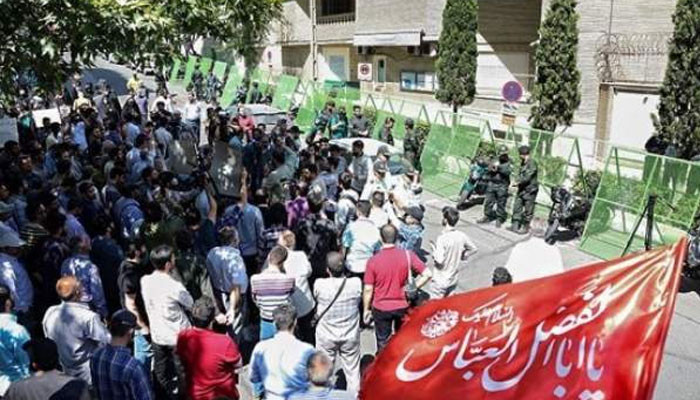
(512, 91)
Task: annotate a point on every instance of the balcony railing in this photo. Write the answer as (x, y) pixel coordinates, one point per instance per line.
(336, 18)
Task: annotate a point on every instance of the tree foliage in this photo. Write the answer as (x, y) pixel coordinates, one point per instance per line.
(679, 107)
(556, 89)
(457, 57)
(55, 38)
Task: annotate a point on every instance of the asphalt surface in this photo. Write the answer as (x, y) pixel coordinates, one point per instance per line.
(681, 361)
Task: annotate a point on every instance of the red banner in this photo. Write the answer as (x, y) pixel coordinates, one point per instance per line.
(593, 333)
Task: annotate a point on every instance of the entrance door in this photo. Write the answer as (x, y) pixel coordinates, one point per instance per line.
(338, 65)
(631, 123)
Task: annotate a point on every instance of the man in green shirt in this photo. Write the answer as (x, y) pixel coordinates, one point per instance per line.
(524, 205)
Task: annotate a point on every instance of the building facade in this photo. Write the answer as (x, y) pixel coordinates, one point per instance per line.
(622, 53)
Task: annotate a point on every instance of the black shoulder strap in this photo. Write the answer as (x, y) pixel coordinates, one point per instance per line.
(340, 290)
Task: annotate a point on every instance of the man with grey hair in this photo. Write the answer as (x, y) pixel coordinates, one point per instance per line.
(278, 365)
(549, 259)
(320, 369)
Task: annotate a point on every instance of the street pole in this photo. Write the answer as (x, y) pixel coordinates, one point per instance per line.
(314, 44)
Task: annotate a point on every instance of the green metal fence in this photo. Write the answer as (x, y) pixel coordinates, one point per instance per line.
(219, 70)
(189, 70)
(205, 64)
(452, 144)
(284, 91)
(627, 181)
(175, 71)
(235, 77)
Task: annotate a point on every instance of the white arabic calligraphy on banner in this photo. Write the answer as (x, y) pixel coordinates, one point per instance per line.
(564, 352)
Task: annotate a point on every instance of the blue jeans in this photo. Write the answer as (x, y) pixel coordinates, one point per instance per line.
(143, 350)
(267, 329)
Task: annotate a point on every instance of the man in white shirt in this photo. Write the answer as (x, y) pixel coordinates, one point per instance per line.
(450, 250)
(338, 330)
(534, 258)
(192, 114)
(166, 301)
(297, 266)
(77, 331)
(360, 240)
(278, 364)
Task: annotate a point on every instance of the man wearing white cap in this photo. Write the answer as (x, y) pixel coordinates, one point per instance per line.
(12, 272)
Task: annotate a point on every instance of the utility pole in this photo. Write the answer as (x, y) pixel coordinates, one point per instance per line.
(314, 44)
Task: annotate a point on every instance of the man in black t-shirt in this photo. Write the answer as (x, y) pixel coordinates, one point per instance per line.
(131, 270)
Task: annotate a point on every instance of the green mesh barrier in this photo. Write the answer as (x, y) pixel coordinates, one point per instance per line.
(175, 71)
(286, 87)
(205, 65)
(189, 70)
(232, 83)
(262, 77)
(628, 179)
(305, 119)
(316, 96)
(436, 177)
(219, 70)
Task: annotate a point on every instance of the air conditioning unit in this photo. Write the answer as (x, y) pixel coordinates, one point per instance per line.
(414, 50)
(433, 49)
(365, 50)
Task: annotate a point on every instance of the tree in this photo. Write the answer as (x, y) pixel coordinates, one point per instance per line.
(456, 63)
(53, 39)
(679, 106)
(556, 89)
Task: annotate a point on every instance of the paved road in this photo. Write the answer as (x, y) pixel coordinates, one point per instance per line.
(681, 362)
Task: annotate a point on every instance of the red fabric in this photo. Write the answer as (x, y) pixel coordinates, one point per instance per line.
(210, 361)
(593, 333)
(387, 271)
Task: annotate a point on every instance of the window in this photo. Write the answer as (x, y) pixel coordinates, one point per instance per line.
(334, 7)
(418, 81)
(381, 70)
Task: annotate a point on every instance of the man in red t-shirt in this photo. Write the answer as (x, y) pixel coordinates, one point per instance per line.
(210, 359)
(385, 278)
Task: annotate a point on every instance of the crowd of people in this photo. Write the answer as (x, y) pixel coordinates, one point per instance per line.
(123, 277)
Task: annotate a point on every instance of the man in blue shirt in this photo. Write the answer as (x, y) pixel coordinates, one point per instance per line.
(14, 361)
(80, 266)
(12, 272)
(115, 373)
(278, 364)
(228, 277)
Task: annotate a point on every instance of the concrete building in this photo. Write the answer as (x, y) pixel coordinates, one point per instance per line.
(622, 53)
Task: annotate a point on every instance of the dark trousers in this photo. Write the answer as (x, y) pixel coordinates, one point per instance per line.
(305, 331)
(498, 198)
(385, 324)
(166, 369)
(252, 267)
(524, 208)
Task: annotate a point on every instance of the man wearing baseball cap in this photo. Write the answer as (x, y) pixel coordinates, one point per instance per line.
(13, 274)
(115, 373)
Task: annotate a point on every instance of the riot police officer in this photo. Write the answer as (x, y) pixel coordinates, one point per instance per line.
(411, 144)
(524, 205)
(498, 178)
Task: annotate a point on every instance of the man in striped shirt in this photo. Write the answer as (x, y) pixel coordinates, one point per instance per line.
(270, 289)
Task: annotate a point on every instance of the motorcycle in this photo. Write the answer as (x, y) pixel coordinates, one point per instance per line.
(567, 211)
(475, 183)
(692, 261)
